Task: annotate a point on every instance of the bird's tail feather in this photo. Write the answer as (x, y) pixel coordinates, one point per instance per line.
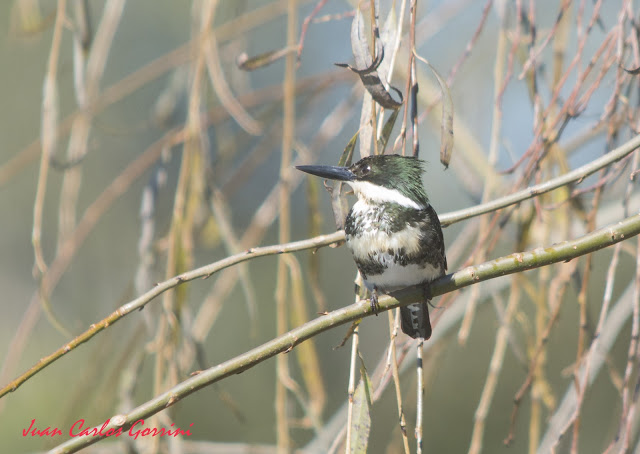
(415, 320)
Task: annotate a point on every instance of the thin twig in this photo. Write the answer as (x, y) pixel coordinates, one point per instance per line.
(490, 184)
(495, 366)
(305, 25)
(351, 389)
(222, 89)
(420, 396)
(557, 290)
(284, 226)
(575, 175)
(48, 132)
(393, 358)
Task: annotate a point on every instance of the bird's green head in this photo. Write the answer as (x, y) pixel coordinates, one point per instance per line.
(379, 179)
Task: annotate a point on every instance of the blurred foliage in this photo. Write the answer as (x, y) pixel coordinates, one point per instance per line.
(136, 145)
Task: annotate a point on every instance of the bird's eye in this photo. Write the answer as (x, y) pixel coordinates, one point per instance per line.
(366, 169)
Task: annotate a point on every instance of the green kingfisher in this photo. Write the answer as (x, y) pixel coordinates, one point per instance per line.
(392, 230)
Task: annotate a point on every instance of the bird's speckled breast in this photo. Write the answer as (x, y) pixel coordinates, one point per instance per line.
(391, 245)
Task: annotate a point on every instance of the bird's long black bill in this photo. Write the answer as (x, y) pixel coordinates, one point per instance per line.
(330, 172)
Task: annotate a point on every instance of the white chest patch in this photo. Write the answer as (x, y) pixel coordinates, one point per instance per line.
(379, 194)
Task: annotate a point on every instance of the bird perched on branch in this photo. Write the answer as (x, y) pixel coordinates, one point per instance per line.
(392, 230)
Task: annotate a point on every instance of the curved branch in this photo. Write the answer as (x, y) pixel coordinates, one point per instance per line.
(570, 177)
(510, 264)
(142, 300)
(317, 242)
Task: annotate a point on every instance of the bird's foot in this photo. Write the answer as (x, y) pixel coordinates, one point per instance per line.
(426, 293)
(375, 307)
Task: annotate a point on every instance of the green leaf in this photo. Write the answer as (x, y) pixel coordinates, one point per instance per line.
(361, 421)
(347, 154)
(386, 131)
(339, 203)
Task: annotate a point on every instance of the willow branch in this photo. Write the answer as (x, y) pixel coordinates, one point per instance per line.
(502, 266)
(320, 241)
(532, 191)
(142, 300)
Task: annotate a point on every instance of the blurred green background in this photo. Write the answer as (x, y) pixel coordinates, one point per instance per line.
(88, 382)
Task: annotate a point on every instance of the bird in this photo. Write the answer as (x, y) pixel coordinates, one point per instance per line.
(392, 230)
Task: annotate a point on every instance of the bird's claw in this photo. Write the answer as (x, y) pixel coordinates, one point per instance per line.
(426, 293)
(375, 307)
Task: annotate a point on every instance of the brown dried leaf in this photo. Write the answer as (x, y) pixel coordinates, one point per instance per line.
(366, 66)
(247, 63)
(446, 141)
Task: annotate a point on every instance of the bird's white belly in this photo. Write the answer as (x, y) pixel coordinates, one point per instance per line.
(396, 277)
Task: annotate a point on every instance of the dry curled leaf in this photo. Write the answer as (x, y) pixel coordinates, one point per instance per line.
(247, 63)
(632, 71)
(446, 141)
(366, 66)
